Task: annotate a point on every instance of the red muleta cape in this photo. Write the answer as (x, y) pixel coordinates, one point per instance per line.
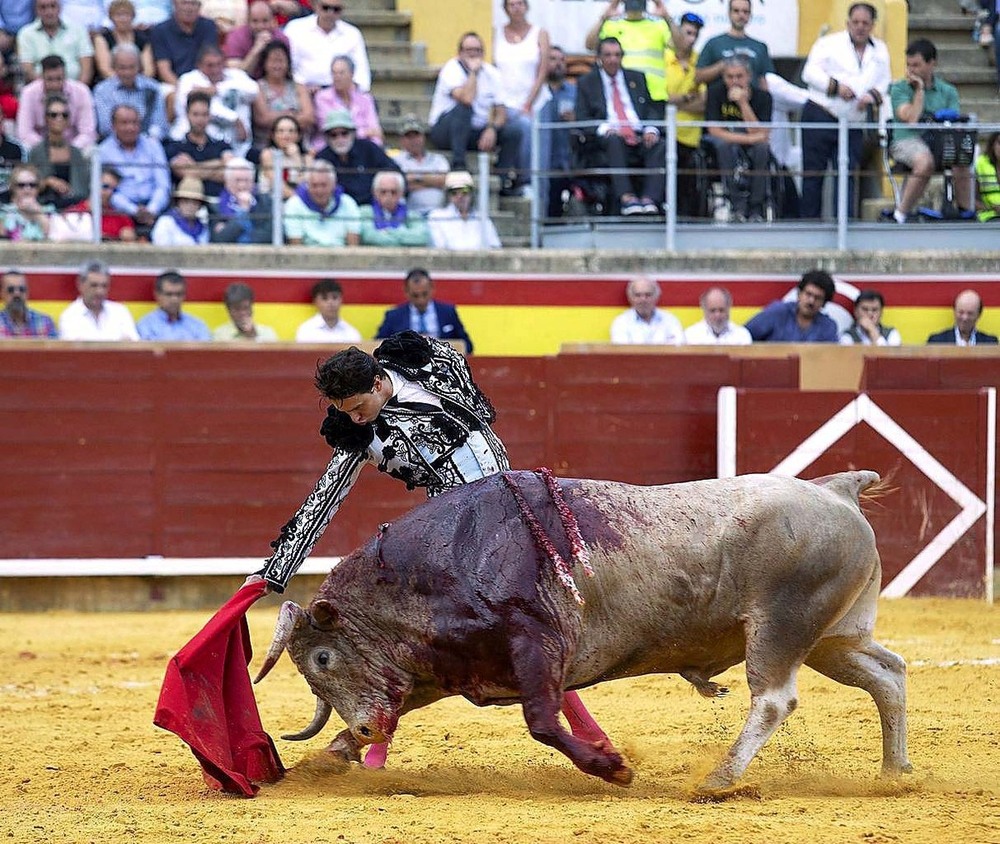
(208, 701)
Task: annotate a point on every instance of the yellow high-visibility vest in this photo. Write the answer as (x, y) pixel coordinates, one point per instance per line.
(643, 42)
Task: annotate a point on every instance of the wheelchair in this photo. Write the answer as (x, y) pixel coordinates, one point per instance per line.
(953, 145)
(715, 203)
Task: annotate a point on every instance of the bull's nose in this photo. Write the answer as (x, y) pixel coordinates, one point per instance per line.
(368, 735)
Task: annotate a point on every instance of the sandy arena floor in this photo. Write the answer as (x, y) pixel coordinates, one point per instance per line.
(83, 762)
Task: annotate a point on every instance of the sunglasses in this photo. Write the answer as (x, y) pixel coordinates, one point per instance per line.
(26, 184)
(691, 17)
(459, 190)
(16, 289)
(338, 133)
(107, 186)
(331, 8)
(62, 114)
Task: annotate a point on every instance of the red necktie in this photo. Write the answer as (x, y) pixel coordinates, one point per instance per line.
(624, 126)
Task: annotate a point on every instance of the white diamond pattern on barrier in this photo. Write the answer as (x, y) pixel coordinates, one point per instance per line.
(863, 409)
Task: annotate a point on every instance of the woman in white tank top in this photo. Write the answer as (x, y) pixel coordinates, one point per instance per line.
(520, 53)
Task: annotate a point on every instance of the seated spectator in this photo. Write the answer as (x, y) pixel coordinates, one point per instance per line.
(196, 155)
(227, 14)
(688, 96)
(356, 160)
(801, 321)
(126, 86)
(326, 326)
(231, 93)
(624, 138)
(867, 329)
(121, 32)
(921, 92)
(286, 137)
(644, 323)
(344, 95)
(11, 154)
(320, 213)
(92, 316)
(554, 144)
(467, 112)
(238, 300)
(242, 215)
(716, 328)
(388, 221)
(423, 313)
(457, 226)
(49, 35)
(114, 224)
(185, 224)
(737, 100)
(316, 39)
(63, 172)
(425, 171)
(24, 217)
(280, 95)
(144, 190)
(968, 309)
(80, 130)
(988, 180)
(169, 322)
(244, 46)
(17, 319)
(178, 41)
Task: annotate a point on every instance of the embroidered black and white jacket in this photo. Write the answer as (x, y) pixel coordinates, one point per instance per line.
(434, 446)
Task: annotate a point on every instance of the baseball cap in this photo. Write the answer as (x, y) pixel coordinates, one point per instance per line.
(411, 123)
(338, 119)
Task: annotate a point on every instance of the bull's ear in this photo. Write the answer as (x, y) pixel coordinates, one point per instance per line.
(325, 615)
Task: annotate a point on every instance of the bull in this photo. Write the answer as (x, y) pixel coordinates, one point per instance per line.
(454, 598)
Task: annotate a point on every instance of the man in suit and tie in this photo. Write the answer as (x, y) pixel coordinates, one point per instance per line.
(423, 314)
(968, 309)
(619, 99)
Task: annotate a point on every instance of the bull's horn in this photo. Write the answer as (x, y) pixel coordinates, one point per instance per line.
(323, 710)
(290, 613)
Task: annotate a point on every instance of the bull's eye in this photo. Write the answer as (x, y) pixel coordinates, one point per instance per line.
(323, 658)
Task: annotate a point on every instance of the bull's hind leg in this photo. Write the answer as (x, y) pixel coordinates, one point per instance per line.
(865, 664)
(539, 678)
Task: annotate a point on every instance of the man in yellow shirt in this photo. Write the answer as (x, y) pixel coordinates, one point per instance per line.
(688, 96)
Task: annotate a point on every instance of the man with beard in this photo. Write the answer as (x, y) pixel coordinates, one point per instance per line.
(17, 319)
(554, 150)
(355, 159)
(799, 321)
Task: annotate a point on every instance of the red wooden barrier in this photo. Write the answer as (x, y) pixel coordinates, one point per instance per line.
(199, 452)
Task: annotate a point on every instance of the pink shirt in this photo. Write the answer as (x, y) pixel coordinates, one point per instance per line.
(362, 111)
(82, 129)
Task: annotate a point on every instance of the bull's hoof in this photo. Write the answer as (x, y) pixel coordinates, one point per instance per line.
(891, 772)
(344, 751)
(719, 794)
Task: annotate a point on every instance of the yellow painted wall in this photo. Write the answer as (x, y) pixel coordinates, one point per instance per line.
(440, 25)
(891, 26)
(528, 330)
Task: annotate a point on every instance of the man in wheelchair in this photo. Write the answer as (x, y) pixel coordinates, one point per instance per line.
(736, 99)
(915, 100)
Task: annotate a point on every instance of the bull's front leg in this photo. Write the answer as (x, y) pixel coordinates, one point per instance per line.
(540, 681)
(345, 746)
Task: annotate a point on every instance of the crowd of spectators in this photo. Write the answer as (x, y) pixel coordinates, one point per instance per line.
(163, 97)
(159, 93)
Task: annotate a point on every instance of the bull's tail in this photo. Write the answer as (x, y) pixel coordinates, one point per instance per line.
(854, 486)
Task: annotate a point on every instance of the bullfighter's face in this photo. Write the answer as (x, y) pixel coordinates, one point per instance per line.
(365, 407)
